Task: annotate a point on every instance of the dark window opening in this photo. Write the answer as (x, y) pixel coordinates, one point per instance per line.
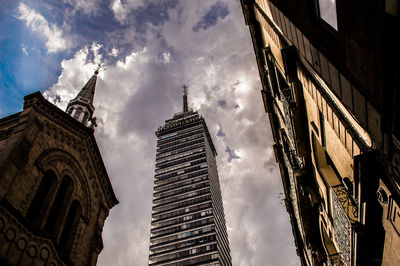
(322, 127)
(37, 208)
(282, 81)
(397, 118)
(272, 77)
(55, 212)
(78, 113)
(68, 232)
(85, 117)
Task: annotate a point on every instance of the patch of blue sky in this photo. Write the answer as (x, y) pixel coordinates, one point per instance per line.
(216, 11)
(26, 65)
(23, 68)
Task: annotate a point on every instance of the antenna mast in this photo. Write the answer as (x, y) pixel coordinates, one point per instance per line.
(185, 102)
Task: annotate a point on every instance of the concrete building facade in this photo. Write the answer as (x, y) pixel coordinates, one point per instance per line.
(329, 74)
(188, 223)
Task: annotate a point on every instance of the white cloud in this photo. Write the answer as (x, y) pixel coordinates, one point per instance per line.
(114, 52)
(166, 57)
(85, 6)
(138, 92)
(53, 35)
(75, 73)
(121, 9)
(95, 47)
(24, 50)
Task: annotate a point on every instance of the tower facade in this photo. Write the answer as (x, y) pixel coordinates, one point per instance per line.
(55, 193)
(330, 90)
(188, 224)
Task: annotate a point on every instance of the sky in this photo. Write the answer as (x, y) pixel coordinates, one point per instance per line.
(148, 51)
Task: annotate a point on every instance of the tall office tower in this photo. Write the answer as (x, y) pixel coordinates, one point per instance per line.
(330, 85)
(188, 223)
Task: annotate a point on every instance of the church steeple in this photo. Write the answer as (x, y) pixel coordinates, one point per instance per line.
(81, 107)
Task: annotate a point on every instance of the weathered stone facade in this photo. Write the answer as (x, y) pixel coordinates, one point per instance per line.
(55, 193)
(330, 89)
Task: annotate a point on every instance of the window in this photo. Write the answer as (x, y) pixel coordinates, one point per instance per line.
(61, 196)
(85, 117)
(37, 208)
(322, 127)
(327, 12)
(78, 113)
(70, 224)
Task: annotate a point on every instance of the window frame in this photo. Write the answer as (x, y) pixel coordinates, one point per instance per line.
(324, 22)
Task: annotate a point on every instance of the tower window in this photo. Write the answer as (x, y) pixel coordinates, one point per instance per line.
(70, 224)
(37, 206)
(58, 203)
(327, 11)
(78, 113)
(85, 117)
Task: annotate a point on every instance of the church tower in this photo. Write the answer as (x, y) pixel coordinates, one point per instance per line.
(55, 193)
(81, 107)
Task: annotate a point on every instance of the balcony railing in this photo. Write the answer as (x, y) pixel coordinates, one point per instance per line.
(342, 224)
(348, 203)
(335, 260)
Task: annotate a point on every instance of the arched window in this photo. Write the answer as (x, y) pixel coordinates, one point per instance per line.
(68, 232)
(85, 117)
(78, 112)
(59, 202)
(38, 205)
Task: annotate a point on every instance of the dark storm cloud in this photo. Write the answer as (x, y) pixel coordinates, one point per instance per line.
(161, 91)
(91, 28)
(220, 133)
(154, 13)
(217, 10)
(232, 154)
(222, 103)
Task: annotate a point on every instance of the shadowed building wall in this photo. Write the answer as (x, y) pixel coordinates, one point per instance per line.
(55, 193)
(329, 73)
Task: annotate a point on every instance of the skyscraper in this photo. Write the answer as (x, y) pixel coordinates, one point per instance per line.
(188, 224)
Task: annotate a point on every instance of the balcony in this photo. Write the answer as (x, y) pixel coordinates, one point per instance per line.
(343, 211)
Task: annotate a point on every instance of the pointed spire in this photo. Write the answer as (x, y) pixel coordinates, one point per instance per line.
(185, 101)
(81, 107)
(88, 90)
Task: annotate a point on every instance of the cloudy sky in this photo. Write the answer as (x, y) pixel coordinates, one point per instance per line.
(149, 50)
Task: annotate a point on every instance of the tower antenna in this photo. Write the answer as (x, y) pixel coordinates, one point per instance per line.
(185, 101)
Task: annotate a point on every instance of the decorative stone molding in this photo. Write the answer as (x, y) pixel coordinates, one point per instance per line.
(80, 135)
(53, 155)
(24, 246)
